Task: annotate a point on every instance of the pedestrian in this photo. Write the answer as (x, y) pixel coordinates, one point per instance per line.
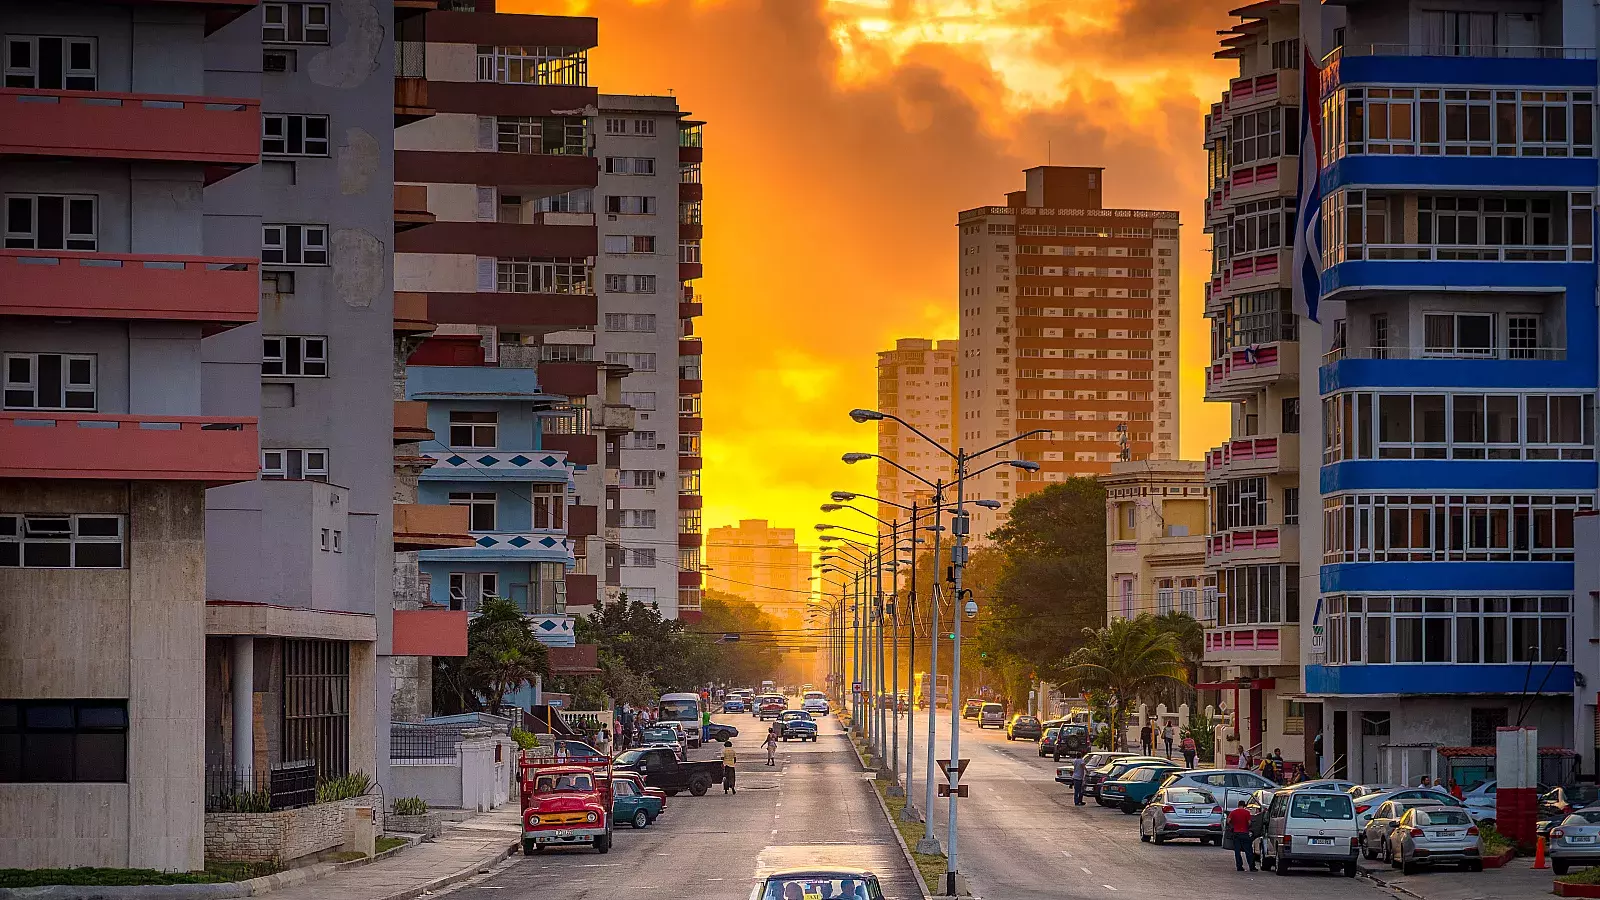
(1277, 765)
(772, 746)
(1316, 750)
(1189, 751)
(603, 742)
(730, 761)
(1146, 739)
(1455, 789)
(1425, 782)
(1079, 772)
(1239, 836)
(1060, 742)
(1167, 734)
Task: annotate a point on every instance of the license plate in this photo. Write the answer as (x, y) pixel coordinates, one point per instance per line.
(1448, 832)
(556, 836)
(1580, 839)
(1320, 842)
(1196, 811)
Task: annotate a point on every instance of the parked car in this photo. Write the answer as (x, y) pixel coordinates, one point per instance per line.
(1227, 785)
(666, 734)
(630, 803)
(1375, 835)
(717, 732)
(1366, 806)
(1130, 792)
(638, 781)
(797, 724)
(664, 770)
(1434, 835)
(1076, 738)
(992, 714)
(1575, 841)
(970, 709)
(1024, 727)
(1096, 764)
(1323, 784)
(1181, 812)
(1311, 828)
(1114, 770)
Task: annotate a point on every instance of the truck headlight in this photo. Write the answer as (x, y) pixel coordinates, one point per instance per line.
(533, 820)
(592, 817)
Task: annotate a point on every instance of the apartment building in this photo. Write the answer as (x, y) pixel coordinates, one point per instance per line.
(918, 381)
(1156, 540)
(1458, 384)
(1068, 316)
(1252, 649)
(762, 564)
(650, 237)
(522, 421)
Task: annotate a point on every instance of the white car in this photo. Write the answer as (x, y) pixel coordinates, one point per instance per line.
(1311, 828)
(815, 702)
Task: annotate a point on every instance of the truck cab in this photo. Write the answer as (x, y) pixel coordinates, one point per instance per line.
(565, 803)
(662, 769)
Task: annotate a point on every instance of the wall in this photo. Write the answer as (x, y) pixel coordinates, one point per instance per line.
(440, 785)
(284, 836)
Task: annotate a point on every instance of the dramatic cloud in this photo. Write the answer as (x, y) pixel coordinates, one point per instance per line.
(843, 138)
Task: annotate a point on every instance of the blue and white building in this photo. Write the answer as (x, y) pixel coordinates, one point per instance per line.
(1458, 382)
(488, 455)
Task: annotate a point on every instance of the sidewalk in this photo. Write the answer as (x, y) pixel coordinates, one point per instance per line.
(1517, 880)
(478, 843)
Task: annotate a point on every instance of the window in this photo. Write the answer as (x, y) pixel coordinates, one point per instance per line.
(338, 541)
(631, 284)
(630, 165)
(294, 23)
(1291, 506)
(1286, 54)
(1291, 415)
(630, 243)
(689, 444)
(1458, 425)
(51, 222)
(579, 200)
(639, 440)
(294, 464)
(1262, 225)
(1241, 503)
(63, 741)
(294, 245)
(294, 134)
(535, 135)
(474, 429)
(631, 322)
(294, 356)
(689, 251)
(1258, 594)
(1260, 136)
(61, 541)
(534, 65)
(549, 506)
(1458, 334)
(638, 478)
(645, 400)
(689, 483)
(688, 521)
(1448, 629)
(1262, 317)
(1450, 527)
(480, 509)
(639, 362)
(468, 590)
(638, 518)
(50, 63)
(639, 558)
(534, 276)
(629, 205)
(50, 381)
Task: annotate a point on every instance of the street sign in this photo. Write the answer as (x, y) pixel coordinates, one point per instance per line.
(944, 790)
(960, 769)
(855, 687)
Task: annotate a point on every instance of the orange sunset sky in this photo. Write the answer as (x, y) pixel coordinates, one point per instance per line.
(843, 138)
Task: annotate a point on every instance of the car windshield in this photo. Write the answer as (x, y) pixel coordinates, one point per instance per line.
(820, 887)
(667, 735)
(1050, 733)
(1027, 720)
(685, 710)
(1146, 773)
(1583, 817)
(1189, 795)
(993, 708)
(1581, 794)
(1443, 817)
(554, 784)
(816, 695)
(1321, 806)
(629, 757)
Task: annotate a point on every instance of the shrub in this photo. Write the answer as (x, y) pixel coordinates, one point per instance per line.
(525, 739)
(410, 806)
(1494, 843)
(242, 802)
(332, 790)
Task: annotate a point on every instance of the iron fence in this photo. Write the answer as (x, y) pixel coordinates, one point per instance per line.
(287, 786)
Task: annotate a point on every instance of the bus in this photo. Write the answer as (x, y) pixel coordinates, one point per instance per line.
(943, 698)
(683, 709)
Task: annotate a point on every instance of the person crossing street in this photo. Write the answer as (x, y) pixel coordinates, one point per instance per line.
(1239, 836)
(772, 745)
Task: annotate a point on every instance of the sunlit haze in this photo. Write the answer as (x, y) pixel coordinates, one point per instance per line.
(843, 138)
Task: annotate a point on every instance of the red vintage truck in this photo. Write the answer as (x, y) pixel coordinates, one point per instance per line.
(565, 801)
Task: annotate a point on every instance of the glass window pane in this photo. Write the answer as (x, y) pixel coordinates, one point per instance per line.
(102, 757)
(47, 756)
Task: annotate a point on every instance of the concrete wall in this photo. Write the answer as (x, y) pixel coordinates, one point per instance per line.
(141, 367)
(474, 780)
(440, 785)
(141, 207)
(141, 49)
(135, 633)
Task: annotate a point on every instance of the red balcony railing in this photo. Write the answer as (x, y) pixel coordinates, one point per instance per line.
(184, 128)
(128, 448)
(75, 284)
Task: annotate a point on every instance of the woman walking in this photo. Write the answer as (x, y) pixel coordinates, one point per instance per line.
(772, 746)
(730, 761)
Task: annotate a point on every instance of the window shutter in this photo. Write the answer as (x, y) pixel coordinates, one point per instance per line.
(486, 273)
(486, 204)
(486, 133)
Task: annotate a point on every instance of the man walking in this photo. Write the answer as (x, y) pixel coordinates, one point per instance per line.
(1079, 772)
(1239, 835)
(1060, 742)
(1146, 739)
(730, 761)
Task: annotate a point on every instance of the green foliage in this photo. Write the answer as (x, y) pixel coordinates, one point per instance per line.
(502, 653)
(525, 739)
(1495, 843)
(385, 844)
(1204, 732)
(242, 802)
(92, 877)
(1126, 659)
(343, 787)
(412, 806)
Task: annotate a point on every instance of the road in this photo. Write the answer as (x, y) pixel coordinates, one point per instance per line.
(813, 808)
(1020, 838)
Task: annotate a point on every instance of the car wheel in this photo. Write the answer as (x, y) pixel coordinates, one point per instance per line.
(529, 847)
(602, 843)
(699, 785)
(1407, 867)
(1159, 838)
(1142, 836)
(1281, 867)
(1267, 862)
(1475, 866)
(641, 819)
(1350, 869)
(1388, 853)
(671, 792)
(1129, 807)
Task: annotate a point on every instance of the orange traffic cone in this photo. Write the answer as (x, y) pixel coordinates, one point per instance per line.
(1538, 855)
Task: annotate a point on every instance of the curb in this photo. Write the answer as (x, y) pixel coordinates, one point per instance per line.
(911, 861)
(487, 862)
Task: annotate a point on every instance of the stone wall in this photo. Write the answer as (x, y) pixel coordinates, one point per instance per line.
(286, 835)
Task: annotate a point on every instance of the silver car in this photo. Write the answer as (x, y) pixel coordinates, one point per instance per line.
(1575, 841)
(1227, 785)
(992, 714)
(1368, 804)
(1430, 835)
(1181, 812)
(1375, 836)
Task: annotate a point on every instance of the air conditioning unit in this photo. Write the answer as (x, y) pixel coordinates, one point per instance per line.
(277, 61)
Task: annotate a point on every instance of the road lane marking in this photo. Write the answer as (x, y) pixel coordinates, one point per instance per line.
(1086, 870)
(1108, 887)
(1065, 853)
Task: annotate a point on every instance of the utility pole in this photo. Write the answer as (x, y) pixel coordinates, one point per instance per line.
(958, 558)
(929, 843)
(909, 811)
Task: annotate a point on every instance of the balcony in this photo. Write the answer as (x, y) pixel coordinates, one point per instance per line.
(1262, 455)
(574, 379)
(411, 422)
(500, 239)
(691, 424)
(691, 501)
(1252, 272)
(689, 192)
(217, 131)
(617, 418)
(546, 466)
(1253, 645)
(68, 284)
(582, 590)
(535, 173)
(411, 314)
(1247, 370)
(583, 521)
(128, 448)
(1254, 91)
(411, 207)
(510, 546)
(419, 526)
(475, 383)
(1241, 545)
(553, 629)
(410, 81)
(690, 271)
(581, 449)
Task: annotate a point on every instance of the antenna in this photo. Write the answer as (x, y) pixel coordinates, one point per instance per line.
(1122, 440)
(1049, 154)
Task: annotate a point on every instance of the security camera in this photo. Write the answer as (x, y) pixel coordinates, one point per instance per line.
(972, 609)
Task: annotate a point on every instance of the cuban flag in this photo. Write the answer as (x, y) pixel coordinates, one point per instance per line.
(1308, 206)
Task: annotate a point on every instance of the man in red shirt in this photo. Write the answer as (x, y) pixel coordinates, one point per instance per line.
(1238, 828)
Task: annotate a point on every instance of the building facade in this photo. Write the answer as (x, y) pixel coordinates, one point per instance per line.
(917, 381)
(762, 564)
(1253, 647)
(1457, 392)
(1068, 316)
(650, 239)
(1156, 540)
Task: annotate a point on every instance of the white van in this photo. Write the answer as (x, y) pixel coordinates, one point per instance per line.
(683, 709)
(1311, 828)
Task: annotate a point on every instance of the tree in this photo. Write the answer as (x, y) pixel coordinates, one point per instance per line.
(502, 653)
(1190, 638)
(1126, 658)
(752, 658)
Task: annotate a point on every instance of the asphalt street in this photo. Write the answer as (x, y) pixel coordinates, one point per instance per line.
(814, 808)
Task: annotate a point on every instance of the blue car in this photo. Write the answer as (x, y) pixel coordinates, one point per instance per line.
(797, 725)
(733, 705)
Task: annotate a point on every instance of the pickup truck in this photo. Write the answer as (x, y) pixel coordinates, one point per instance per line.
(662, 769)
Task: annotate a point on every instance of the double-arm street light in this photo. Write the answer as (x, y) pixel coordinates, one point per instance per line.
(877, 715)
(958, 559)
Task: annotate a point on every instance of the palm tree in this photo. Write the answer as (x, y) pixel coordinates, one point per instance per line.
(1125, 659)
(502, 653)
(1191, 641)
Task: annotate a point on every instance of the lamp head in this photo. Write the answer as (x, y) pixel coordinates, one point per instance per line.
(842, 496)
(856, 457)
(987, 504)
(831, 507)
(822, 527)
(1026, 465)
(866, 415)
